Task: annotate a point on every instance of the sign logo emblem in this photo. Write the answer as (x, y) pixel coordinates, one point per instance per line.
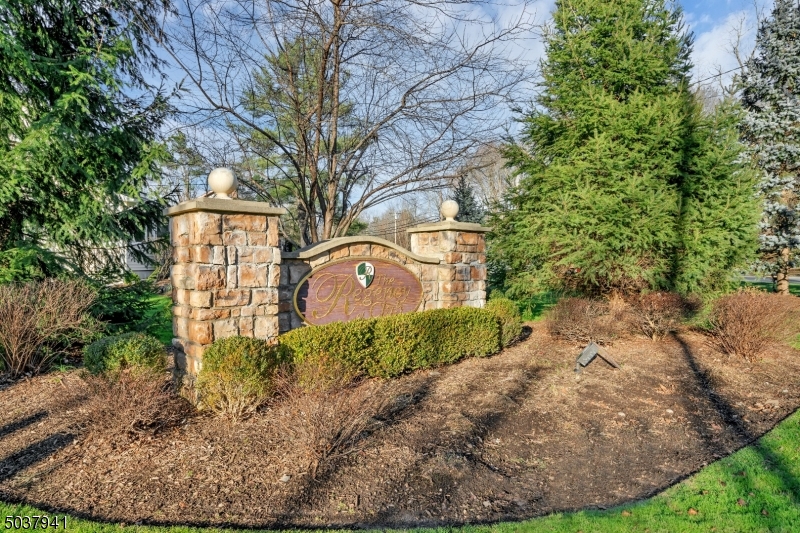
(365, 273)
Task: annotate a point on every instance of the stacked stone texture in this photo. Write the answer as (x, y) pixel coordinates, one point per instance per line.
(225, 279)
(460, 278)
(229, 278)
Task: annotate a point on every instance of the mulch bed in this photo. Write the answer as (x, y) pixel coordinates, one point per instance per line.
(502, 438)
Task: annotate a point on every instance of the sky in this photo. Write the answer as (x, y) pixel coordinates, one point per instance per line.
(714, 24)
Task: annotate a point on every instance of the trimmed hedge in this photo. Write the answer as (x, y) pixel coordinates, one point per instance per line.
(129, 350)
(510, 319)
(390, 345)
(237, 374)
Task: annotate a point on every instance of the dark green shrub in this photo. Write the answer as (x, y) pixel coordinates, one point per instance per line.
(508, 314)
(390, 345)
(129, 350)
(347, 343)
(237, 374)
(126, 307)
(30, 263)
(432, 338)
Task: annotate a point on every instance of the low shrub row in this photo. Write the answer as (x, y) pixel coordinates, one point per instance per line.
(509, 317)
(237, 372)
(388, 346)
(744, 323)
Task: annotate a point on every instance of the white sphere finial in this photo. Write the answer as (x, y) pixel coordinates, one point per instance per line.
(222, 182)
(449, 209)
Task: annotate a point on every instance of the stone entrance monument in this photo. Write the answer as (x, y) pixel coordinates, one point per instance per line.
(230, 277)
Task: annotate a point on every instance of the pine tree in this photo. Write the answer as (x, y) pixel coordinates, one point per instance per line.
(468, 208)
(771, 129)
(77, 128)
(626, 185)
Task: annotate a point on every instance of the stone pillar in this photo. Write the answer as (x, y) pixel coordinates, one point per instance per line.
(225, 274)
(460, 278)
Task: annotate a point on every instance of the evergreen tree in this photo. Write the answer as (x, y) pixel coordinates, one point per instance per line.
(468, 208)
(771, 129)
(626, 185)
(77, 125)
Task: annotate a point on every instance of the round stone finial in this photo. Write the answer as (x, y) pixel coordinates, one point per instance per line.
(222, 182)
(449, 209)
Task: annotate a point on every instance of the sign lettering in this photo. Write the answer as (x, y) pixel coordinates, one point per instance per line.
(357, 288)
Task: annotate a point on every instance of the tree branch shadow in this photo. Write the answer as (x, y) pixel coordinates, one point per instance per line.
(33, 454)
(790, 484)
(11, 427)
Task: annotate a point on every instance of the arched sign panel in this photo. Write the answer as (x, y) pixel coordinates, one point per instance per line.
(363, 287)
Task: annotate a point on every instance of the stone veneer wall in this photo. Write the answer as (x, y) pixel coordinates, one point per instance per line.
(229, 276)
(449, 259)
(225, 275)
(297, 264)
(461, 250)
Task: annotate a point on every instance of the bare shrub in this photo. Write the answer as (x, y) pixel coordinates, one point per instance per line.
(582, 320)
(323, 412)
(40, 320)
(657, 314)
(132, 405)
(746, 322)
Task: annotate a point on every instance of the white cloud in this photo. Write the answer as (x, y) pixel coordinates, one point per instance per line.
(714, 49)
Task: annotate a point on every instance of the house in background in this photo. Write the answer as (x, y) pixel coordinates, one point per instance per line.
(140, 268)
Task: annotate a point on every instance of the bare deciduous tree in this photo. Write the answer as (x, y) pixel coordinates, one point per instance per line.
(489, 175)
(338, 105)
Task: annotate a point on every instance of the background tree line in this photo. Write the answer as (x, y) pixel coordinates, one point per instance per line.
(621, 180)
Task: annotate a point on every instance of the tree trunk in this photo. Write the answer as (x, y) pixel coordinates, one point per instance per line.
(782, 279)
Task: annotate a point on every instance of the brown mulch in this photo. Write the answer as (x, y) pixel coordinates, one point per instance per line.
(502, 438)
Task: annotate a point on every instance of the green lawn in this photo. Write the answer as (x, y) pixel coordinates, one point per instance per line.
(536, 306)
(161, 316)
(756, 489)
(794, 288)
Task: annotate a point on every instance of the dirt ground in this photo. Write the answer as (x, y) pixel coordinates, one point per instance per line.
(502, 438)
